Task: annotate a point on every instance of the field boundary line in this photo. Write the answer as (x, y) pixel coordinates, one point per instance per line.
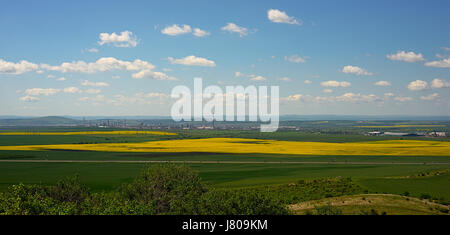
(226, 162)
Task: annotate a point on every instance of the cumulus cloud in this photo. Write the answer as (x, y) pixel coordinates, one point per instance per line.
(103, 64)
(285, 79)
(17, 68)
(95, 84)
(200, 33)
(347, 97)
(382, 83)
(92, 50)
(445, 63)
(193, 61)
(349, 69)
(153, 95)
(124, 39)
(430, 96)
(28, 98)
(307, 82)
(152, 74)
(402, 99)
(257, 78)
(417, 85)
(406, 56)
(106, 64)
(352, 97)
(72, 90)
(335, 84)
(278, 16)
(93, 91)
(61, 79)
(233, 28)
(438, 83)
(295, 97)
(295, 59)
(387, 95)
(41, 91)
(176, 30)
(327, 90)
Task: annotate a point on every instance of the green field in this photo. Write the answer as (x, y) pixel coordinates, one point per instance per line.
(372, 174)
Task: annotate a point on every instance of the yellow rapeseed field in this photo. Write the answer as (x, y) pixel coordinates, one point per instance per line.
(92, 133)
(243, 146)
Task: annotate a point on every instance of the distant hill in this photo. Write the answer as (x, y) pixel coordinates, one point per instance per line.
(39, 121)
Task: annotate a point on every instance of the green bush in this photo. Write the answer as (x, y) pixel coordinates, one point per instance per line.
(160, 189)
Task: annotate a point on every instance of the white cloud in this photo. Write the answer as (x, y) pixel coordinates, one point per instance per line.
(327, 90)
(352, 97)
(445, 48)
(17, 68)
(406, 56)
(285, 79)
(347, 97)
(295, 97)
(116, 77)
(445, 63)
(41, 91)
(257, 78)
(233, 28)
(417, 85)
(200, 33)
(438, 83)
(95, 84)
(61, 79)
(152, 95)
(307, 82)
(349, 69)
(335, 84)
(387, 95)
(430, 97)
(152, 74)
(29, 99)
(278, 16)
(382, 83)
(103, 64)
(91, 50)
(124, 39)
(402, 99)
(72, 90)
(93, 91)
(175, 30)
(295, 59)
(193, 61)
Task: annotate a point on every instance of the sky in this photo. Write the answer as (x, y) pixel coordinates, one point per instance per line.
(87, 58)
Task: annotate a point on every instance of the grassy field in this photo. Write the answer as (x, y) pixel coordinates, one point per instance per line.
(372, 204)
(376, 164)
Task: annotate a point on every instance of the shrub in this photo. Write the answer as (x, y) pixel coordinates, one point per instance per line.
(327, 210)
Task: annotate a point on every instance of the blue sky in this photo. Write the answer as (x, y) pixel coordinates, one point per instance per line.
(326, 56)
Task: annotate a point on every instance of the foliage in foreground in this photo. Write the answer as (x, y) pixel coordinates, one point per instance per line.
(160, 189)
